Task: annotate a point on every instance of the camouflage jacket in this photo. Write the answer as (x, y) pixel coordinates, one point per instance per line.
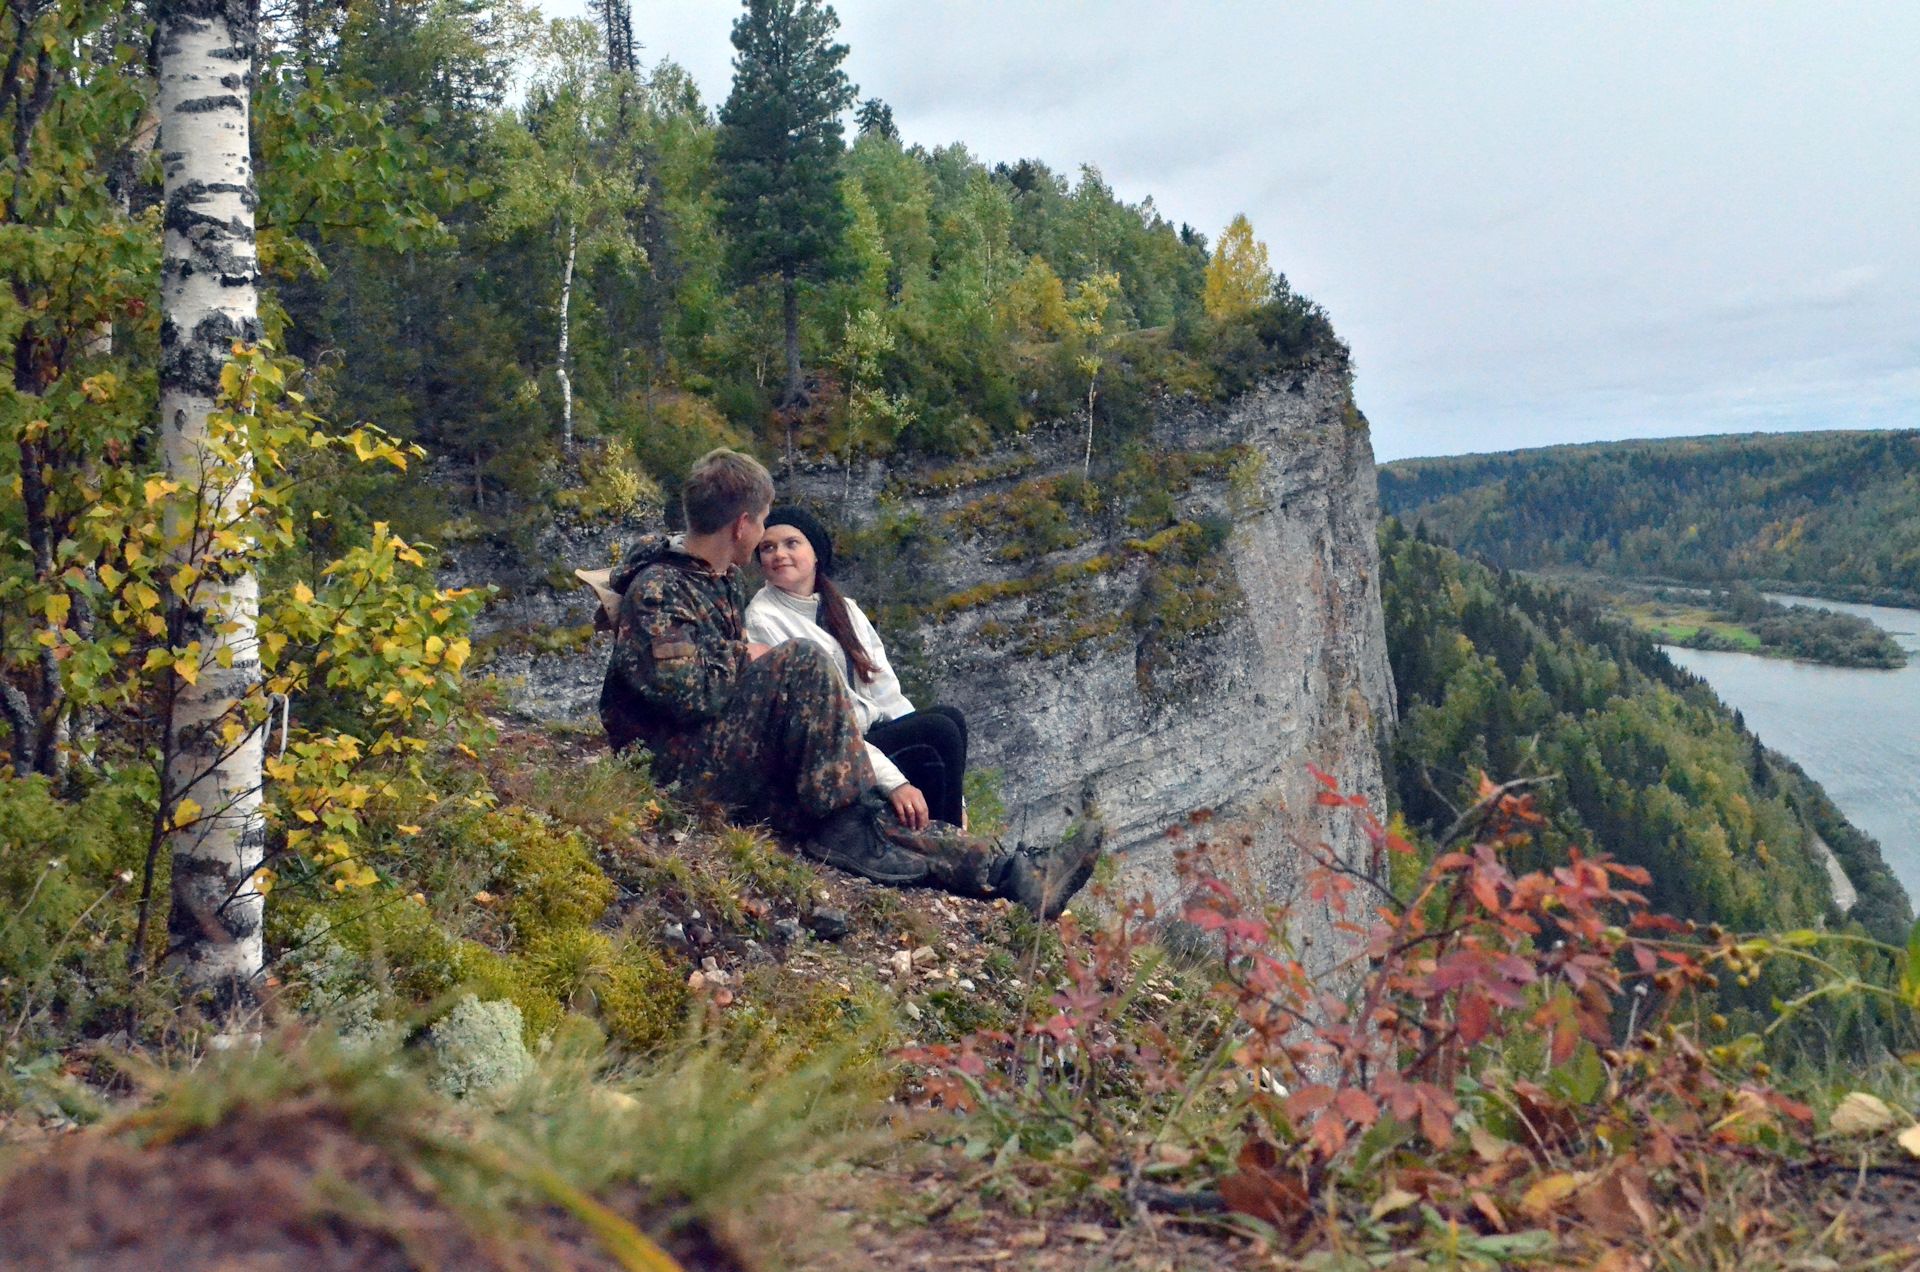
(678, 645)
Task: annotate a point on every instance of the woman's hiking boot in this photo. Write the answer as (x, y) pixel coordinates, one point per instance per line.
(851, 841)
(1044, 882)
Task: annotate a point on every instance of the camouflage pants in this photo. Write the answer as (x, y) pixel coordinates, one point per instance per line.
(787, 751)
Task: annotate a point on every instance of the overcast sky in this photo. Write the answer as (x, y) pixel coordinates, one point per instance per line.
(1533, 223)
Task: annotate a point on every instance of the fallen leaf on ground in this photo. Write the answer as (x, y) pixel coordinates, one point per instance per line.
(1617, 1205)
(1861, 1114)
(1391, 1200)
(1548, 1193)
(1260, 1190)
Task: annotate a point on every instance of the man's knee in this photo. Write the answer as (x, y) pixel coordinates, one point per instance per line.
(799, 662)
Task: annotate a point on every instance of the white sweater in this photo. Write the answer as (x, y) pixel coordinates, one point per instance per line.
(775, 617)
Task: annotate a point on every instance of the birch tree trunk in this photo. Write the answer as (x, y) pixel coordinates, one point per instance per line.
(209, 275)
(796, 390)
(566, 305)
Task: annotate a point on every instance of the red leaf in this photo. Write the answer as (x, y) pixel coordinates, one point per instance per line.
(1260, 1191)
(1566, 1037)
(1308, 1100)
(1473, 1017)
(1357, 1106)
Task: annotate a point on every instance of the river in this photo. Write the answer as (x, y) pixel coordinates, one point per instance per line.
(1855, 731)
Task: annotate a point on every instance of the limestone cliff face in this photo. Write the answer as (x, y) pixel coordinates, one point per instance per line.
(1191, 632)
(1074, 690)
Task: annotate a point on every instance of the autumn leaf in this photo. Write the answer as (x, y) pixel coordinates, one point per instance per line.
(1546, 1193)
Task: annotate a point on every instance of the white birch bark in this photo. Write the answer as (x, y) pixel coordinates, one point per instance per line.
(566, 305)
(208, 298)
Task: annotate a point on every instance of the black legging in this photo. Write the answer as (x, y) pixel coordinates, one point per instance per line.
(930, 748)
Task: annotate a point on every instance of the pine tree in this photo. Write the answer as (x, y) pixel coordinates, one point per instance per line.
(778, 156)
(875, 116)
(1238, 277)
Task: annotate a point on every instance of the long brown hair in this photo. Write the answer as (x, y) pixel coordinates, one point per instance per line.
(838, 620)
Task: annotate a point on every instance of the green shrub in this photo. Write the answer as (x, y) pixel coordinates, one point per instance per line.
(70, 873)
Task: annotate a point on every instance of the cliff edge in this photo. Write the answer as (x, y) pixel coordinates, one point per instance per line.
(1182, 625)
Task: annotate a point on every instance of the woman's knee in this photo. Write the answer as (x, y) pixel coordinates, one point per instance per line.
(954, 717)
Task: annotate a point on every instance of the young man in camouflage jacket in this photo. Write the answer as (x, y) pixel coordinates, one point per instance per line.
(770, 733)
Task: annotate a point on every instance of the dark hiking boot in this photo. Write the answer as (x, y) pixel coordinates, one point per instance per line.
(1044, 882)
(851, 841)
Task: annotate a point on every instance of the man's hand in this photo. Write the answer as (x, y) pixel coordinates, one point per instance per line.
(756, 652)
(910, 806)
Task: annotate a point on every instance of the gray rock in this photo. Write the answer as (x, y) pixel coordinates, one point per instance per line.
(829, 924)
(786, 930)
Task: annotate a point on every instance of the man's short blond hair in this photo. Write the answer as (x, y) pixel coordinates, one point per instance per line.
(721, 486)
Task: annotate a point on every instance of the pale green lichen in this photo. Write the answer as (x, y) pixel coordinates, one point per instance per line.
(478, 1049)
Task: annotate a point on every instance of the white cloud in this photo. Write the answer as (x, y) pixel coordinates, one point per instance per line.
(1533, 223)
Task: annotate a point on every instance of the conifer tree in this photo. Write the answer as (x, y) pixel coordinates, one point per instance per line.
(875, 116)
(1238, 277)
(779, 152)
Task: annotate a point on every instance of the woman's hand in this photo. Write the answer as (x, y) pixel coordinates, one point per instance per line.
(910, 806)
(756, 651)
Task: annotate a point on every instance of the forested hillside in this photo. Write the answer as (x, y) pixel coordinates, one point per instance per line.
(598, 263)
(1500, 674)
(1830, 514)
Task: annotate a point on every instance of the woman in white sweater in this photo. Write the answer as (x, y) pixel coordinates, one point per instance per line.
(919, 757)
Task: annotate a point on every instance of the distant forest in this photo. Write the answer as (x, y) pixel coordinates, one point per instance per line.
(1513, 677)
(1827, 514)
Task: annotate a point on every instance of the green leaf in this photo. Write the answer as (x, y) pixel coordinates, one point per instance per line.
(1910, 975)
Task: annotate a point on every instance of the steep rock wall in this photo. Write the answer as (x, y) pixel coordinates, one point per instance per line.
(1188, 632)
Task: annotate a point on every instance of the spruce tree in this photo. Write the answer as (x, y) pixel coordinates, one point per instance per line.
(779, 152)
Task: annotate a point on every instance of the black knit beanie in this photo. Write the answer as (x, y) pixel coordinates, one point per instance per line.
(809, 525)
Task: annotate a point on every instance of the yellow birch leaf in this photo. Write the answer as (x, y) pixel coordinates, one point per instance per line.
(185, 813)
(112, 578)
(302, 593)
(409, 830)
(1548, 1193)
(187, 669)
(224, 655)
(59, 605)
(1910, 1140)
(262, 880)
(1393, 1199)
